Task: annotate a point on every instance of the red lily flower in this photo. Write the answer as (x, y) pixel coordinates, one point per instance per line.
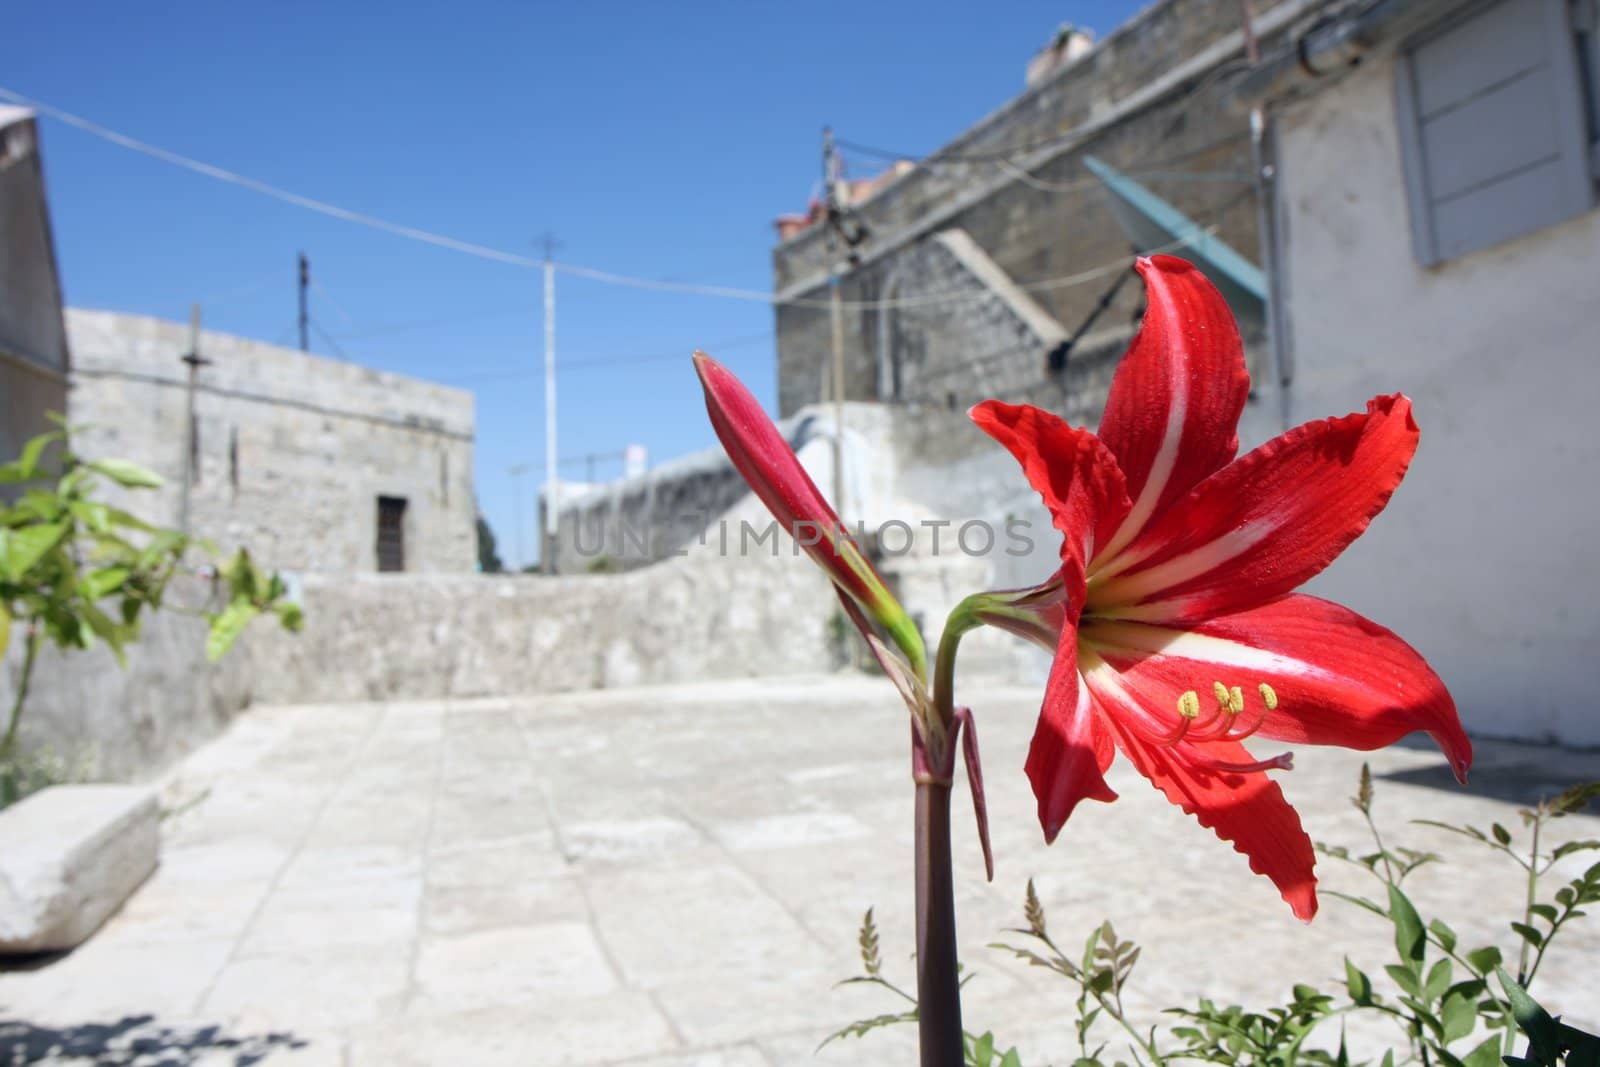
(1176, 631)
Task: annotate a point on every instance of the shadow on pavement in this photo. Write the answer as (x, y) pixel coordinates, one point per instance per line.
(1509, 771)
(135, 1039)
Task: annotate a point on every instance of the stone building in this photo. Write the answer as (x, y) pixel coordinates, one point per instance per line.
(313, 464)
(33, 345)
(995, 267)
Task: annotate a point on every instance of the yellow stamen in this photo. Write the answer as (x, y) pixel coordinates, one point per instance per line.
(1235, 700)
(1268, 696)
(1189, 705)
(1221, 692)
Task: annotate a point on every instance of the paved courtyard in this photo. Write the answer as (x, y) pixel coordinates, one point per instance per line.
(674, 876)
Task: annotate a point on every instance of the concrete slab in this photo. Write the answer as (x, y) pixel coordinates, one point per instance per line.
(674, 876)
(69, 856)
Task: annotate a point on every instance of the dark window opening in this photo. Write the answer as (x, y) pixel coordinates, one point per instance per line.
(391, 533)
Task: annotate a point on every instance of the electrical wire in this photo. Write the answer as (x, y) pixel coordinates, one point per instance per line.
(612, 361)
(317, 326)
(590, 273)
(322, 290)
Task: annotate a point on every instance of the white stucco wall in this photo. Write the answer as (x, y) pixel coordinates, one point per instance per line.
(1487, 557)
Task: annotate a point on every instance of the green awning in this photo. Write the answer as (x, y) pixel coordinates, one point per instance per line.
(1152, 223)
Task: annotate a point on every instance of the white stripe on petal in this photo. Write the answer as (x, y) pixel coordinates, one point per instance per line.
(1180, 569)
(1186, 644)
(1160, 469)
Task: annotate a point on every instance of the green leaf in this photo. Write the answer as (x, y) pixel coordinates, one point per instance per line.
(1529, 934)
(1459, 1013)
(226, 627)
(1357, 983)
(128, 474)
(1404, 977)
(982, 1052)
(22, 547)
(1443, 934)
(104, 582)
(1484, 960)
(1576, 798)
(5, 627)
(1438, 981)
(1570, 847)
(1011, 1059)
(25, 468)
(1501, 834)
(1409, 939)
(1542, 1030)
(94, 515)
(1486, 1054)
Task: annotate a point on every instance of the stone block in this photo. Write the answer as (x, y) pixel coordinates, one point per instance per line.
(69, 856)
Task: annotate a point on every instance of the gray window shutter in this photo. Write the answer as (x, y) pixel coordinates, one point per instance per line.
(1492, 127)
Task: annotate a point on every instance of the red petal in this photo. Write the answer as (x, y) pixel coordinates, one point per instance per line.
(1071, 470)
(1171, 419)
(1247, 810)
(1338, 679)
(1071, 746)
(1264, 524)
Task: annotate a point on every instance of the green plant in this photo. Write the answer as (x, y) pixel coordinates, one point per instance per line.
(1453, 1006)
(76, 571)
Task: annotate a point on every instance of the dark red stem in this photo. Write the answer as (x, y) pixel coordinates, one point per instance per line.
(938, 973)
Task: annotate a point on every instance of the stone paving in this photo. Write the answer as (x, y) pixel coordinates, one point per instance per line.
(674, 876)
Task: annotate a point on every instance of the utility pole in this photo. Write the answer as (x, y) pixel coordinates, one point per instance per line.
(830, 183)
(305, 320)
(552, 491)
(191, 443)
(1264, 174)
(516, 473)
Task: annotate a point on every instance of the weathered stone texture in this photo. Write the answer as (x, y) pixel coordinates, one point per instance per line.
(705, 616)
(294, 450)
(33, 350)
(118, 722)
(1185, 145)
(69, 856)
(700, 502)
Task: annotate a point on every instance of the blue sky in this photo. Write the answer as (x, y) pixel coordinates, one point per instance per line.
(657, 140)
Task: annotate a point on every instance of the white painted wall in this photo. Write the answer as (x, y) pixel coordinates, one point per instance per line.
(1487, 557)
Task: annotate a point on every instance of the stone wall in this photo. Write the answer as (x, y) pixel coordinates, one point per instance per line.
(116, 722)
(293, 450)
(1150, 100)
(418, 636)
(33, 350)
(700, 617)
(684, 505)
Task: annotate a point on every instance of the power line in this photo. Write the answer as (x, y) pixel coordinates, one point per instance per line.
(590, 273)
(322, 291)
(317, 326)
(384, 329)
(613, 361)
